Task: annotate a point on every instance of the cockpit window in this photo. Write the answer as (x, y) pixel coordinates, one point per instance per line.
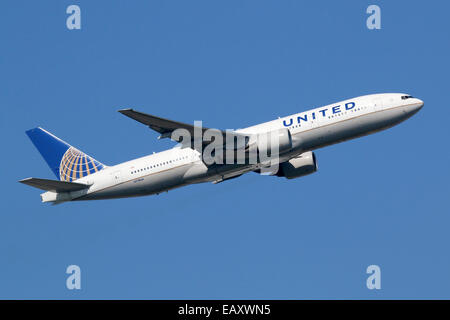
(407, 97)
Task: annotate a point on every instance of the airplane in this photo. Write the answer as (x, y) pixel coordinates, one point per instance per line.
(81, 177)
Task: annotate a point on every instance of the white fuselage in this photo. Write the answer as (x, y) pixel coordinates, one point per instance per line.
(309, 130)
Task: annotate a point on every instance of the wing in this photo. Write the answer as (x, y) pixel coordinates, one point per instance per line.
(54, 185)
(166, 127)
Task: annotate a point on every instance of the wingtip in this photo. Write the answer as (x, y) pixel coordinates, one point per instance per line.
(125, 110)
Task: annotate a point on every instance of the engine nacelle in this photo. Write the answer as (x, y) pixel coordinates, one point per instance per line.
(262, 148)
(300, 166)
(265, 142)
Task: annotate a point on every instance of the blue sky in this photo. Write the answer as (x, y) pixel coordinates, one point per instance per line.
(381, 199)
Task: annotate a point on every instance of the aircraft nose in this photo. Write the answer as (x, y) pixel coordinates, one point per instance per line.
(421, 104)
(415, 106)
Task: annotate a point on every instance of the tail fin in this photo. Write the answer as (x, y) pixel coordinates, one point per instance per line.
(66, 162)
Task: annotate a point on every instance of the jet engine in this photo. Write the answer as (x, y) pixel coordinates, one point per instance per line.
(266, 142)
(262, 148)
(300, 166)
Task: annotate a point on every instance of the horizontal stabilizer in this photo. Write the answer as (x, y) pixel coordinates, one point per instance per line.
(54, 185)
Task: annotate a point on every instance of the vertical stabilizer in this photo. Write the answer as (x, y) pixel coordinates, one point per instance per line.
(66, 162)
